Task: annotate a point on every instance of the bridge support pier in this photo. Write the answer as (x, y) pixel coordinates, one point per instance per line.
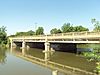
(23, 44)
(47, 51)
(54, 72)
(13, 45)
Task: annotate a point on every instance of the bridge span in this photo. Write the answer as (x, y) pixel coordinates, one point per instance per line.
(47, 41)
(71, 37)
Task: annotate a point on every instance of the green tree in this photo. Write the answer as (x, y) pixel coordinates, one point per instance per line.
(40, 31)
(59, 31)
(3, 35)
(96, 25)
(28, 33)
(19, 34)
(55, 31)
(80, 28)
(67, 28)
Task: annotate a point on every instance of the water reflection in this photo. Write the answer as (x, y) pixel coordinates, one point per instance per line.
(2, 56)
(61, 58)
(23, 54)
(37, 56)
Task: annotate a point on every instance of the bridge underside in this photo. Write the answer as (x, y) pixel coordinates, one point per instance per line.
(64, 47)
(17, 44)
(39, 45)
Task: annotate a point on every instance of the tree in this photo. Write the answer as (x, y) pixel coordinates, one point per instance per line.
(59, 31)
(80, 28)
(40, 31)
(55, 31)
(19, 34)
(96, 25)
(3, 35)
(28, 33)
(67, 28)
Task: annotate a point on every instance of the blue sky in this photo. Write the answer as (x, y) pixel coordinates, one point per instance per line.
(21, 15)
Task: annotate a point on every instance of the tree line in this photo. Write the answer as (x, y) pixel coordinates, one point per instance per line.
(67, 27)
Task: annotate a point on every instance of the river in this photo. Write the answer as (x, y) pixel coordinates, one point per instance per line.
(12, 64)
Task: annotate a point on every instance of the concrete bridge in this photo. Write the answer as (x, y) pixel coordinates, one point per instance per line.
(48, 41)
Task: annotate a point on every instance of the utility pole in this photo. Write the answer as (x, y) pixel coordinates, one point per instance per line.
(35, 27)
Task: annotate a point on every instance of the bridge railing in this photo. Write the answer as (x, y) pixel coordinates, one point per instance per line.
(61, 35)
(80, 33)
(69, 34)
(93, 33)
(76, 34)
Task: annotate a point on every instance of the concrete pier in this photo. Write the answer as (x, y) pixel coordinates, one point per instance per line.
(23, 44)
(47, 51)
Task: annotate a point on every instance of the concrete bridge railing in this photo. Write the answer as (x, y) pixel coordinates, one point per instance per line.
(69, 35)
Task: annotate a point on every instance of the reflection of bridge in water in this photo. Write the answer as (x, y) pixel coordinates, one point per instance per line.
(55, 67)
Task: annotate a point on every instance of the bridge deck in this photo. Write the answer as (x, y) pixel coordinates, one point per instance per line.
(72, 37)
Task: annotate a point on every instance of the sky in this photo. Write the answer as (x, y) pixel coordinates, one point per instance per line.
(25, 15)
